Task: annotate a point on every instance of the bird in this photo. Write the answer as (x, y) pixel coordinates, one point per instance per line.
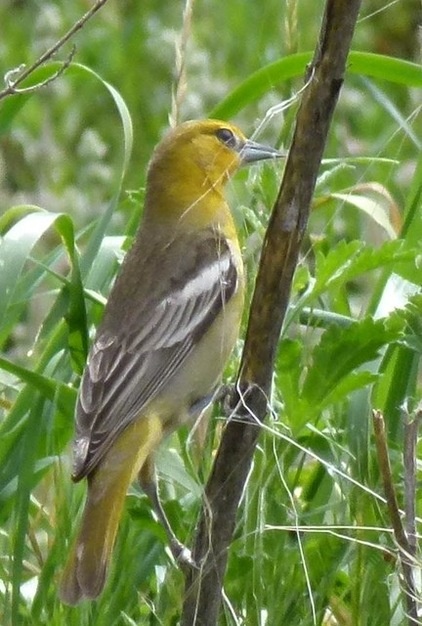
(170, 324)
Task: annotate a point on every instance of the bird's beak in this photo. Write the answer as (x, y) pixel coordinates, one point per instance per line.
(252, 151)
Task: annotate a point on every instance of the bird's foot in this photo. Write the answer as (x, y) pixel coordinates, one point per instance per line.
(182, 555)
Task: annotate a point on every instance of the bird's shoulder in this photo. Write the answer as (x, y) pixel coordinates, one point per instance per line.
(159, 264)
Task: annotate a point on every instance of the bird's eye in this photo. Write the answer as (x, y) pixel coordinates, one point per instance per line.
(227, 137)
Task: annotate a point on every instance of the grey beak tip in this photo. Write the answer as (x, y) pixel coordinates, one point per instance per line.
(252, 151)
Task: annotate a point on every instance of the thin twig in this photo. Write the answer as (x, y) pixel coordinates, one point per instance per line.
(25, 90)
(15, 77)
(409, 461)
(405, 555)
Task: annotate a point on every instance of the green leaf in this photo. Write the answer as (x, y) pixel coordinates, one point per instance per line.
(374, 209)
(344, 386)
(331, 268)
(97, 236)
(400, 368)
(26, 481)
(269, 77)
(76, 312)
(288, 372)
(349, 260)
(342, 351)
(16, 246)
(15, 249)
(52, 389)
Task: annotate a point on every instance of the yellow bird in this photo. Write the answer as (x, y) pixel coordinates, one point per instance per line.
(169, 326)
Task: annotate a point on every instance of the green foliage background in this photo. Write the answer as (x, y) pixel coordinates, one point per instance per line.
(313, 543)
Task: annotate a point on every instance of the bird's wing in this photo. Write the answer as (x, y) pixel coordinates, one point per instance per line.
(148, 332)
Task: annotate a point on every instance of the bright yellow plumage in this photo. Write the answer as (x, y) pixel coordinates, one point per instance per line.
(169, 326)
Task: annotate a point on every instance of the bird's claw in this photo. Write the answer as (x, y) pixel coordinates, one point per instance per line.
(182, 555)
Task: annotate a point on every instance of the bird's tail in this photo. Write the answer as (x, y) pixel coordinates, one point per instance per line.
(86, 569)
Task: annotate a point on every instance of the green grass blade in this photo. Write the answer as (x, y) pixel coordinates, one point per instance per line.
(267, 78)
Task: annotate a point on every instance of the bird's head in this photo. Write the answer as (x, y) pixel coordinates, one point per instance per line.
(211, 147)
(190, 167)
